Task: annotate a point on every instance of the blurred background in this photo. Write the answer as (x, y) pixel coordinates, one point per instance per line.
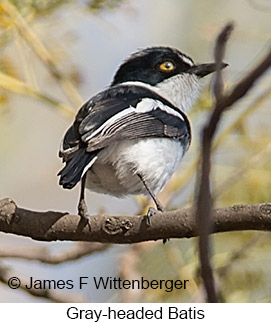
(56, 54)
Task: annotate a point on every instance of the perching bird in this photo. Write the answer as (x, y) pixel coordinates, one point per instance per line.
(130, 138)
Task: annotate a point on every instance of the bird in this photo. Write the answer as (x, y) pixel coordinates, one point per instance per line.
(129, 138)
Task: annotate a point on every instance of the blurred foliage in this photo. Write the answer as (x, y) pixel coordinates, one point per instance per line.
(101, 5)
(45, 7)
(15, 17)
(257, 181)
(7, 67)
(241, 263)
(38, 7)
(204, 103)
(241, 259)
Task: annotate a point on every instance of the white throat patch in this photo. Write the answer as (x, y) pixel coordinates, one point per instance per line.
(182, 90)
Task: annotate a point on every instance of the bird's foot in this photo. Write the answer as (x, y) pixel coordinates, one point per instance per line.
(83, 212)
(152, 211)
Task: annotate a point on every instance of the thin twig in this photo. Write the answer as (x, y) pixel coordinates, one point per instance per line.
(203, 200)
(81, 249)
(219, 54)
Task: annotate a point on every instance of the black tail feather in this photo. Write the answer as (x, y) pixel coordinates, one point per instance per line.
(71, 174)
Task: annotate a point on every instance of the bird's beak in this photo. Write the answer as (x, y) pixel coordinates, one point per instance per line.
(205, 69)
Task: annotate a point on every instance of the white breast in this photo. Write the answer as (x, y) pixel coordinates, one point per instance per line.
(116, 167)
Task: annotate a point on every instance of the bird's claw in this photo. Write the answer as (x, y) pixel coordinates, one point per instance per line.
(150, 213)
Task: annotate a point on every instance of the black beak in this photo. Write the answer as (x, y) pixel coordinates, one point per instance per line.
(205, 69)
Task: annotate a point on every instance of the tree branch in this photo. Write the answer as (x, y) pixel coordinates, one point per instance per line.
(52, 226)
(204, 197)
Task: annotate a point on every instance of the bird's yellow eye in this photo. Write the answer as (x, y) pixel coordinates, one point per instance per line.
(166, 66)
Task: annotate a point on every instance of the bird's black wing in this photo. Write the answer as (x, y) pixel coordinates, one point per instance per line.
(134, 125)
(119, 113)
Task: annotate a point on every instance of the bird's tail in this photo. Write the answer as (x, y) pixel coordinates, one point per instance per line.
(75, 168)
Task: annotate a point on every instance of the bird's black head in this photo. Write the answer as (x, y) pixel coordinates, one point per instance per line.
(152, 65)
(155, 64)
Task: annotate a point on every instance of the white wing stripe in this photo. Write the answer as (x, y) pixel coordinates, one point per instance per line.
(145, 105)
(111, 120)
(87, 167)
